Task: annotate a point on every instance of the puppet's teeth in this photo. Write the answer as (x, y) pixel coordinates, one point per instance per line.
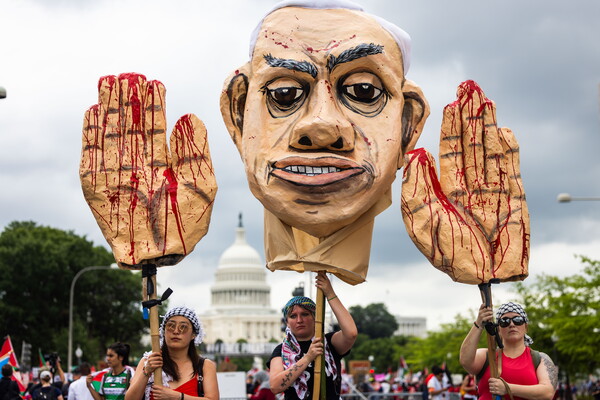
(311, 171)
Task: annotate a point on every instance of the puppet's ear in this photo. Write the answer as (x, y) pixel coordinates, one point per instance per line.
(414, 115)
(233, 103)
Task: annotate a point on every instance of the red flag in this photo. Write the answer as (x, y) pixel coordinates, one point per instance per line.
(7, 354)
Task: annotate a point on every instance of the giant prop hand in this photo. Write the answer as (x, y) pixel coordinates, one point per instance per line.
(152, 204)
(473, 222)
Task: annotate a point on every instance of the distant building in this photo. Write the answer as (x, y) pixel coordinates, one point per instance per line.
(240, 310)
(411, 326)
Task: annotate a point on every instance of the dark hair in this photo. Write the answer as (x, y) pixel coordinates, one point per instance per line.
(437, 370)
(7, 370)
(170, 367)
(122, 349)
(84, 368)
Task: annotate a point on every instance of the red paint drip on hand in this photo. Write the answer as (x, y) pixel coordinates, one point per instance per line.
(172, 193)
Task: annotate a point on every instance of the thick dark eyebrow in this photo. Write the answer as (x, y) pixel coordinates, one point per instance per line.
(362, 50)
(301, 66)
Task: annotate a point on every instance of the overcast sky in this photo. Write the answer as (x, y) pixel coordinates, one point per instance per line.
(538, 60)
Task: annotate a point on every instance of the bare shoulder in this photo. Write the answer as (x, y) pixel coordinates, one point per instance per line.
(209, 365)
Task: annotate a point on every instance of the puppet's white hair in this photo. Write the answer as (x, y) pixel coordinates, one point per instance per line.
(400, 36)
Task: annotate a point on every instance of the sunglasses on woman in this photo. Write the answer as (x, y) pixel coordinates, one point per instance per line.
(173, 326)
(505, 321)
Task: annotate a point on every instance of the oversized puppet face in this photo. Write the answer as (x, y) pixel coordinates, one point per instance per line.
(322, 115)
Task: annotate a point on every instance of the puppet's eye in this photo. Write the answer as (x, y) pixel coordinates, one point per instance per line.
(363, 93)
(284, 96)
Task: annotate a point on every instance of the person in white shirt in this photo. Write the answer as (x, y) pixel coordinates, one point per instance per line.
(78, 389)
(435, 386)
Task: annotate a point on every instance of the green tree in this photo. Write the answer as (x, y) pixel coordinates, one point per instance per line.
(37, 266)
(564, 317)
(441, 346)
(374, 320)
(386, 352)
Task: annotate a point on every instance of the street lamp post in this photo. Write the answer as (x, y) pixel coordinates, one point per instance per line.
(567, 198)
(71, 295)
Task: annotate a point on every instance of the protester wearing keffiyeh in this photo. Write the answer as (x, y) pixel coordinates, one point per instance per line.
(292, 362)
(517, 309)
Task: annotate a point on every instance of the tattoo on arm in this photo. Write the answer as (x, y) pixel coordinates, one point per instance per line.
(551, 368)
(287, 377)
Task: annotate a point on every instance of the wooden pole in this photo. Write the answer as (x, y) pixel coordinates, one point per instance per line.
(319, 332)
(486, 297)
(149, 289)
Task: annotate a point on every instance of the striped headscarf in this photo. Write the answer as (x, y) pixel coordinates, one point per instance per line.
(517, 309)
(301, 301)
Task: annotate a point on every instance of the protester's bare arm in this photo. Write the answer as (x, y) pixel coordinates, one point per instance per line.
(152, 203)
(138, 383)
(471, 358)
(473, 222)
(95, 395)
(280, 378)
(344, 339)
(59, 370)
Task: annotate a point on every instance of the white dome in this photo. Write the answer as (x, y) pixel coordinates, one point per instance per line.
(240, 253)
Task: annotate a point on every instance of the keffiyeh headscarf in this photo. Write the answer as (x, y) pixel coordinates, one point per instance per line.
(304, 302)
(291, 353)
(190, 315)
(517, 309)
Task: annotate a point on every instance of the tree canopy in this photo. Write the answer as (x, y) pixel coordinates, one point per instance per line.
(37, 266)
(564, 317)
(374, 320)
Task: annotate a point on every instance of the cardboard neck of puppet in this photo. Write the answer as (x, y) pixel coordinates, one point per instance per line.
(345, 253)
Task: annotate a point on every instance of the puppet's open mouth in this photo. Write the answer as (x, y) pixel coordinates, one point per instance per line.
(315, 171)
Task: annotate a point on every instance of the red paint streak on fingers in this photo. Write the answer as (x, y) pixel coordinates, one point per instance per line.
(172, 197)
(420, 156)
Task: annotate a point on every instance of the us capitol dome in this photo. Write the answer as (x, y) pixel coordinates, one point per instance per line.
(240, 308)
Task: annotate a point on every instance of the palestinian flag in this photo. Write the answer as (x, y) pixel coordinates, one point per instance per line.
(42, 359)
(97, 379)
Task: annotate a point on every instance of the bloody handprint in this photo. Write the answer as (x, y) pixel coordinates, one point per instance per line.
(473, 222)
(152, 203)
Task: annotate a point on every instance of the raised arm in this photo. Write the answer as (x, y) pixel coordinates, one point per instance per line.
(344, 339)
(472, 358)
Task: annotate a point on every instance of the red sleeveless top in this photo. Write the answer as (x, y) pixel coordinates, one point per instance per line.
(518, 370)
(190, 387)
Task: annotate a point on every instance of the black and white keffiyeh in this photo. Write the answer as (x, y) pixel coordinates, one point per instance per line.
(190, 315)
(291, 353)
(517, 309)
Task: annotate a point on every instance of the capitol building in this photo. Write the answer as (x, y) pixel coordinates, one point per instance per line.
(240, 318)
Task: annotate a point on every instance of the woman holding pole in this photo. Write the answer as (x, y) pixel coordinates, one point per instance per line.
(186, 375)
(292, 362)
(524, 373)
